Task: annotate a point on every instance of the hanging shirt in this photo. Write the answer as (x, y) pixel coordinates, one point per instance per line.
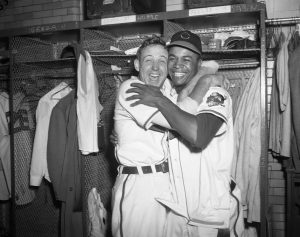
(5, 173)
(39, 168)
(23, 140)
(280, 114)
(247, 152)
(294, 75)
(23, 124)
(88, 105)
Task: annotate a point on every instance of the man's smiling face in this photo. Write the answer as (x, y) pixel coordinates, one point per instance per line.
(182, 65)
(152, 65)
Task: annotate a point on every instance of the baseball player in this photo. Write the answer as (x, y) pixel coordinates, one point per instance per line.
(206, 200)
(143, 171)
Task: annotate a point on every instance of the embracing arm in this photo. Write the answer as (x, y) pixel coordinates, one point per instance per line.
(191, 102)
(197, 130)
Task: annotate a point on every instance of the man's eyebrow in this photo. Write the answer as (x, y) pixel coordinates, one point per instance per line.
(150, 55)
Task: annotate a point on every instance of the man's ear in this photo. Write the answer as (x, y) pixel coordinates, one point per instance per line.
(199, 63)
(137, 65)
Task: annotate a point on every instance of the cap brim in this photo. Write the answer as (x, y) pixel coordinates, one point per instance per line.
(186, 45)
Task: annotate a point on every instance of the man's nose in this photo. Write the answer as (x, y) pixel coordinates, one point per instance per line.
(155, 66)
(177, 63)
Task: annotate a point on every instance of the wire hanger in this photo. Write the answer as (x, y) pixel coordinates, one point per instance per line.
(60, 90)
(298, 28)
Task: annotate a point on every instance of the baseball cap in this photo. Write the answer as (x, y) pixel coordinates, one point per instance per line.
(187, 39)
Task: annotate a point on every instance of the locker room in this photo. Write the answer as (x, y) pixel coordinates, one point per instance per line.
(63, 64)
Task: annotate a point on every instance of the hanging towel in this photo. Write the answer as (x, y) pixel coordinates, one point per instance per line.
(97, 215)
(88, 105)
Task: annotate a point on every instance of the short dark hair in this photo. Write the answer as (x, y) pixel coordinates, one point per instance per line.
(153, 40)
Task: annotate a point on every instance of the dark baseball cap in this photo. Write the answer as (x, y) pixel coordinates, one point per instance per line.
(187, 39)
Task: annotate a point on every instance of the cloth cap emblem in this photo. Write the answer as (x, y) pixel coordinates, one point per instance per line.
(185, 35)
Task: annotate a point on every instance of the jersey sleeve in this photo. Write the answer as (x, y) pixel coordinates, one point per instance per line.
(217, 101)
(142, 114)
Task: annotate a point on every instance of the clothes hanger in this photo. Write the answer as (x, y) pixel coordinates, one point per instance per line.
(298, 28)
(289, 36)
(60, 90)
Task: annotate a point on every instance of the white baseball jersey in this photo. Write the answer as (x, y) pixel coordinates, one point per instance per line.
(208, 198)
(136, 145)
(201, 179)
(136, 213)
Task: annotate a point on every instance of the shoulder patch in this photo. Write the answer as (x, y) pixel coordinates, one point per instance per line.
(215, 99)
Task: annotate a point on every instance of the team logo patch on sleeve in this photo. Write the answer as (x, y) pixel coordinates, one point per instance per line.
(215, 99)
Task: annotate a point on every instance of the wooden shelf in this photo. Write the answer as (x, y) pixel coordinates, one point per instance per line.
(51, 64)
(40, 29)
(249, 9)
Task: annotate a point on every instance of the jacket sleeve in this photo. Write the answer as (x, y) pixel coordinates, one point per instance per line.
(57, 138)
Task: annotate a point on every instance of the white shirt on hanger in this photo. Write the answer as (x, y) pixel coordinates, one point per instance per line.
(39, 167)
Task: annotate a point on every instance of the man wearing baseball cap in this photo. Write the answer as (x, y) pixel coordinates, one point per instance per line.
(205, 201)
(187, 39)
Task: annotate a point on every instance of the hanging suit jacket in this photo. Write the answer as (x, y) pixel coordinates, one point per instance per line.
(64, 164)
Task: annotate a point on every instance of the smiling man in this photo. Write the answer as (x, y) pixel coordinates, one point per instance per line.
(205, 198)
(143, 171)
(184, 58)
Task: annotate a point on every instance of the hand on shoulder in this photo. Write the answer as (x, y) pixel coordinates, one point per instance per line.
(205, 82)
(217, 80)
